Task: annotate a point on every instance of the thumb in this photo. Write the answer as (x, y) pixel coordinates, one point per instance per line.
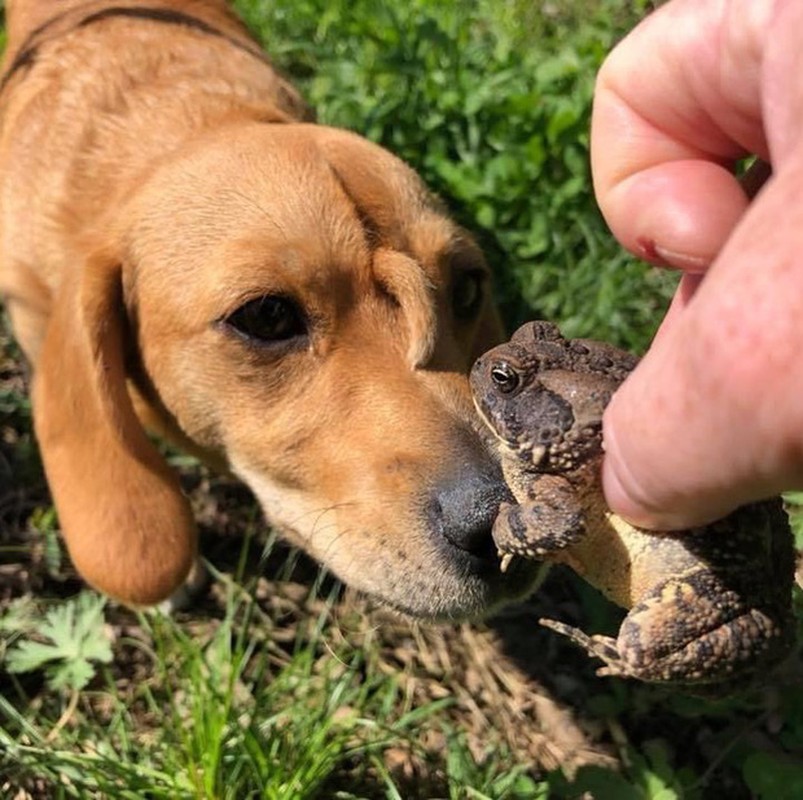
(711, 418)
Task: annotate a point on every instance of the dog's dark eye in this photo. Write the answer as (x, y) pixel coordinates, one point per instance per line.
(272, 318)
(468, 291)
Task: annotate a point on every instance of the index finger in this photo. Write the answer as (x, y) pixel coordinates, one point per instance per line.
(676, 104)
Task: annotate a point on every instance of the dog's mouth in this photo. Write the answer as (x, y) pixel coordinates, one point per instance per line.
(482, 553)
(428, 553)
(462, 587)
(459, 573)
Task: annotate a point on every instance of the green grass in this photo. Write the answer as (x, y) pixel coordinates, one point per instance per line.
(276, 686)
(227, 722)
(213, 707)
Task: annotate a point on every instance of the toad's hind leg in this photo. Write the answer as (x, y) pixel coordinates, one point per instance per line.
(696, 629)
(604, 648)
(691, 630)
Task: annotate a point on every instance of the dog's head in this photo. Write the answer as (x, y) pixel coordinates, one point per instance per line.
(288, 301)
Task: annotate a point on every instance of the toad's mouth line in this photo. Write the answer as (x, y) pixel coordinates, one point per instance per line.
(485, 421)
(536, 454)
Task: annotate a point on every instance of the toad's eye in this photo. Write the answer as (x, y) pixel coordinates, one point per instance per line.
(268, 319)
(468, 291)
(504, 377)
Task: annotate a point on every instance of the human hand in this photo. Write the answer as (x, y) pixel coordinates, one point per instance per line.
(713, 415)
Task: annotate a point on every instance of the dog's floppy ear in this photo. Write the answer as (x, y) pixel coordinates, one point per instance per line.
(128, 527)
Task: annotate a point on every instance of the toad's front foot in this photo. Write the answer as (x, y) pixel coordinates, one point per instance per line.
(550, 521)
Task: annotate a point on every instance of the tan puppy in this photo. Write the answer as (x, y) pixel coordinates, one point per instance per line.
(181, 252)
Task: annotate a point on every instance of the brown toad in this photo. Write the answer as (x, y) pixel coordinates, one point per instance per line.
(709, 608)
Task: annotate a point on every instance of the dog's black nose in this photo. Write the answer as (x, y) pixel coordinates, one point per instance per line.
(463, 509)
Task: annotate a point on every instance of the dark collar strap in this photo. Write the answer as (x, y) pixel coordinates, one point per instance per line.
(26, 57)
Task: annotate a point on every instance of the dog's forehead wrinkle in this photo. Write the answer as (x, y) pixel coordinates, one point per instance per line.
(386, 196)
(370, 227)
(402, 278)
